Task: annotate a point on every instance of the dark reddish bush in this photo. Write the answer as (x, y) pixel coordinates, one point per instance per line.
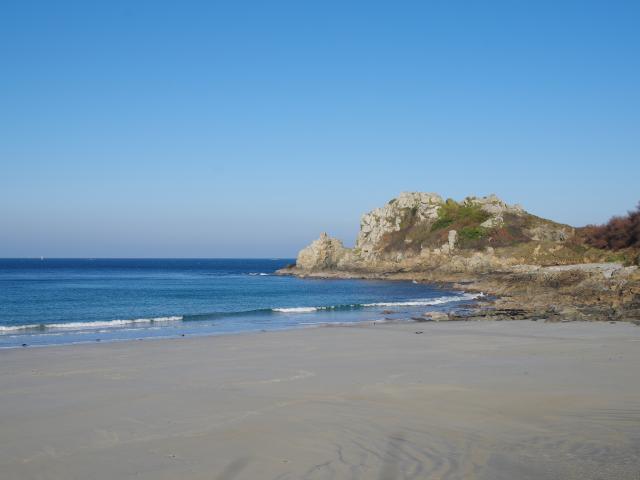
(618, 233)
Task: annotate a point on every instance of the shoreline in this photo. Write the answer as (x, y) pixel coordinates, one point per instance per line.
(586, 292)
(509, 295)
(478, 400)
(385, 308)
(302, 326)
(404, 322)
(205, 335)
(408, 323)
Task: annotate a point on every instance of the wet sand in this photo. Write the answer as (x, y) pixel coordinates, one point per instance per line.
(464, 400)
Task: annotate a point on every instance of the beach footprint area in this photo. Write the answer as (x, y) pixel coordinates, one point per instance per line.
(470, 400)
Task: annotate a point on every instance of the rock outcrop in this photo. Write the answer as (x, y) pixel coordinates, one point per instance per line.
(422, 230)
(388, 219)
(535, 267)
(323, 253)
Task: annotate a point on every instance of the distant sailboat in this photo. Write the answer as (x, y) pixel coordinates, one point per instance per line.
(41, 258)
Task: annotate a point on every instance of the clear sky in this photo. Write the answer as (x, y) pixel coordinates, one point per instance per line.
(212, 129)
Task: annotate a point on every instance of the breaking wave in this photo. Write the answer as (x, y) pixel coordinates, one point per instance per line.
(85, 325)
(296, 309)
(140, 322)
(424, 302)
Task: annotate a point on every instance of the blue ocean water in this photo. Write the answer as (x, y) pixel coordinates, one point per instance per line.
(59, 301)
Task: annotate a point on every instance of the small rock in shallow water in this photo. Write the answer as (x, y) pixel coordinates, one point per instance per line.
(418, 333)
(24, 344)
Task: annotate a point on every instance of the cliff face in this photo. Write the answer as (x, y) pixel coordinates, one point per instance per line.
(418, 231)
(376, 225)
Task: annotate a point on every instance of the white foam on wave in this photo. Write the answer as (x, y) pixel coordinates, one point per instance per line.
(15, 328)
(87, 325)
(295, 310)
(423, 302)
(253, 274)
(427, 301)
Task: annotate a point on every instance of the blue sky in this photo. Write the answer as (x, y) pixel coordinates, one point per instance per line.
(212, 129)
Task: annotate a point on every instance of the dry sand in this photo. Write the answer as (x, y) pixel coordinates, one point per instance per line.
(465, 400)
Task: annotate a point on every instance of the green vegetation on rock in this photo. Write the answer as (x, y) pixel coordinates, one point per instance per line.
(453, 214)
(472, 233)
(469, 219)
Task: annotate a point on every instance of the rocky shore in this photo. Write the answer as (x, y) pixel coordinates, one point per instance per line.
(530, 267)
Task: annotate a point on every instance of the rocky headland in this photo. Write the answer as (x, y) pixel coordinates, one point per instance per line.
(531, 267)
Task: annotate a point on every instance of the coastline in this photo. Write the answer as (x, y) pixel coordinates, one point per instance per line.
(187, 298)
(580, 292)
(534, 267)
(178, 336)
(481, 400)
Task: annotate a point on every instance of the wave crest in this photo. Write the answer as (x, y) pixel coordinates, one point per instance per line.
(86, 325)
(421, 302)
(427, 301)
(296, 310)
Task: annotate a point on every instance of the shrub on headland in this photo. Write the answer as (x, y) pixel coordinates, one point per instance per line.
(463, 214)
(617, 234)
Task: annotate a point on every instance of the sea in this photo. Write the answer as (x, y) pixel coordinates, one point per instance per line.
(67, 301)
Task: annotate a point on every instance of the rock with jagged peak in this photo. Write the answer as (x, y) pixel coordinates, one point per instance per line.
(322, 254)
(378, 223)
(419, 230)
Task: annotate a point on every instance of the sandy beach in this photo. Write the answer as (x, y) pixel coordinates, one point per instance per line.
(464, 400)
